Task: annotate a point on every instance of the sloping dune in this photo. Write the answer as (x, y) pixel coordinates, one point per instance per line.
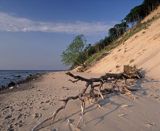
(142, 50)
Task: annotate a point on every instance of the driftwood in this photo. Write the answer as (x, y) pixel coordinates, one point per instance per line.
(94, 85)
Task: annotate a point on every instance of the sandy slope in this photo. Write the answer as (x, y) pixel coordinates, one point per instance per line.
(142, 49)
(155, 13)
(23, 109)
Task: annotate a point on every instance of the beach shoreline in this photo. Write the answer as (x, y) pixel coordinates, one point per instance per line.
(16, 85)
(24, 108)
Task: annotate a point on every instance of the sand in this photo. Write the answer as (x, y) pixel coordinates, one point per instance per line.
(22, 109)
(142, 50)
(154, 13)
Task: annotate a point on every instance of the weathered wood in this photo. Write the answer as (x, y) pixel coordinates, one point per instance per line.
(92, 83)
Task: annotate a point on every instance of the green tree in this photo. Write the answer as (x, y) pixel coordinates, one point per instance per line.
(139, 12)
(74, 54)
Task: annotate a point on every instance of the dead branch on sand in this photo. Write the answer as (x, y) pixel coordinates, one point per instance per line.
(95, 85)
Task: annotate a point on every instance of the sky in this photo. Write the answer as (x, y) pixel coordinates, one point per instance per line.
(33, 33)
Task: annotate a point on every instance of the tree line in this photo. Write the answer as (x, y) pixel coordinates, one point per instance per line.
(79, 51)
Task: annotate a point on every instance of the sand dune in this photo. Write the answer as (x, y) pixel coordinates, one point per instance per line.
(142, 49)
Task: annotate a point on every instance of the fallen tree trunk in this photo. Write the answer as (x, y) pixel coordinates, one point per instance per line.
(92, 83)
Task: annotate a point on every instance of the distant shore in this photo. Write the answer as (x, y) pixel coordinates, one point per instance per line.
(15, 83)
(18, 78)
(15, 86)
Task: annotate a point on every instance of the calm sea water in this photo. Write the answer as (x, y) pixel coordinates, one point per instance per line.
(6, 76)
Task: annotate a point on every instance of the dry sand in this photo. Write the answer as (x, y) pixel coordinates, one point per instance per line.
(24, 108)
(142, 49)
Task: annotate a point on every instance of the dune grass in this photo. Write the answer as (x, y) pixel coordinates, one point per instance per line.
(99, 55)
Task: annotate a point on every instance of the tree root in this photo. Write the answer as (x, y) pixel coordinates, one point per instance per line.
(91, 85)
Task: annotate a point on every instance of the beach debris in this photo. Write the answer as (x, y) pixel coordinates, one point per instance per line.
(123, 106)
(11, 87)
(122, 115)
(95, 89)
(11, 84)
(72, 127)
(70, 121)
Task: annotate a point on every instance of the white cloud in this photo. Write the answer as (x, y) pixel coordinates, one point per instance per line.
(12, 23)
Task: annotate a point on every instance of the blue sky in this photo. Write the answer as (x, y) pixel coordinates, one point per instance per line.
(33, 33)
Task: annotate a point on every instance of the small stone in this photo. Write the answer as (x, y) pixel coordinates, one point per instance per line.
(11, 84)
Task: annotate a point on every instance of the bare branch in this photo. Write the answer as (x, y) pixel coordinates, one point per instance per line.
(92, 83)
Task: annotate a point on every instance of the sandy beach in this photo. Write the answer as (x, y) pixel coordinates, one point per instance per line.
(80, 65)
(22, 109)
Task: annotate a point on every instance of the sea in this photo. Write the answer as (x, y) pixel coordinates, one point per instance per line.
(7, 76)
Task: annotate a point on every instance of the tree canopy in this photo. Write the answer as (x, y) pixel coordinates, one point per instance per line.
(139, 12)
(74, 54)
